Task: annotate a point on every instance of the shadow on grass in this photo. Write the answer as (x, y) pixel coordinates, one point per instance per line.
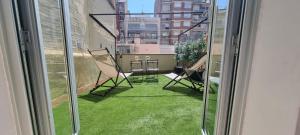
(187, 92)
(98, 98)
(150, 96)
(144, 80)
(151, 80)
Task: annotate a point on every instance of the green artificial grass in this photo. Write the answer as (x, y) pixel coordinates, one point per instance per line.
(145, 109)
(58, 85)
(211, 109)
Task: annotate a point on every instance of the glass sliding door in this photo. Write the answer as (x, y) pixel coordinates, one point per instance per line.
(60, 67)
(219, 13)
(222, 68)
(44, 36)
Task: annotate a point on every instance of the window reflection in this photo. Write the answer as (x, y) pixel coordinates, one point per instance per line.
(217, 44)
(53, 41)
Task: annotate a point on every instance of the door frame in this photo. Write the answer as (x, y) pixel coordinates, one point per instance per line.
(35, 63)
(13, 67)
(235, 37)
(243, 72)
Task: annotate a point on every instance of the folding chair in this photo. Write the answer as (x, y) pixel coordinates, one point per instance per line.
(193, 75)
(109, 68)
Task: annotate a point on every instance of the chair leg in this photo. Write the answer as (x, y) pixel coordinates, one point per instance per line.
(105, 93)
(128, 82)
(169, 83)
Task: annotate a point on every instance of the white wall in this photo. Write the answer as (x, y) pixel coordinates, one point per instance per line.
(8, 125)
(273, 98)
(7, 117)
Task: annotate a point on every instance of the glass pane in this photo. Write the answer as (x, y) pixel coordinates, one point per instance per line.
(53, 40)
(215, 61)
(88, 34)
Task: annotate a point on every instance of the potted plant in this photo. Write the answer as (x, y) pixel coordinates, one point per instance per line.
(189, 52)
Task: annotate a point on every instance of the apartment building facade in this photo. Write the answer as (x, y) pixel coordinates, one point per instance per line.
(141, 35)
(121, 10)
(174, 24)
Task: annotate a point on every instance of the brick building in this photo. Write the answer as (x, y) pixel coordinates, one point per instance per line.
(173, 24)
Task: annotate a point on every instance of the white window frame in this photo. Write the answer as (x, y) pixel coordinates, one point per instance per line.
(244, 64)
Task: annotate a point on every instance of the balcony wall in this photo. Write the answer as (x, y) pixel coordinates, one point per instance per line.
(166, 62)
(90, 36)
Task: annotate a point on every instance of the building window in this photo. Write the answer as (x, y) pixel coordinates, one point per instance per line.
(187, 4)
(176, 24)
(177, 15)
(196, 8)
(187, 23)
(166, 8)
(142, 25)
(177, 4)
(133, 26)
(187, 15)
(196, 17)
(165, 16)
(151, 26)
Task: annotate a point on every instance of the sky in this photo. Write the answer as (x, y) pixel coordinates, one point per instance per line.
(138, 6)
(222, 3)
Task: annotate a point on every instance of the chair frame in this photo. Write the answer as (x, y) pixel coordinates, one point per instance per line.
(188, 78)
(116, 82)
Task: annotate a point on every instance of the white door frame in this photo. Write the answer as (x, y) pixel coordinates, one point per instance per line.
(237, 54)
(13, 67)
(34, 64)
(247, 40)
